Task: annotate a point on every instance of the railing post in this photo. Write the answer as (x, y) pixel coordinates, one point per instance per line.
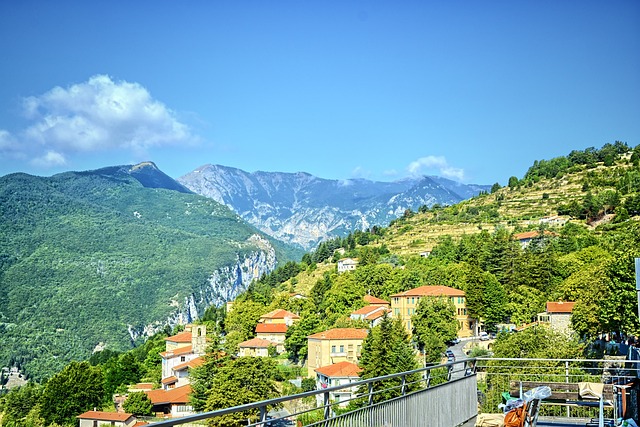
(263, 414)
(404, 385)
(566, 380)
(449, 372)
(370, 394)
(428, 378)
(327, 407)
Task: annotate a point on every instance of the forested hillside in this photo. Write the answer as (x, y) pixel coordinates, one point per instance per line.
(92, 259)
(585, 255)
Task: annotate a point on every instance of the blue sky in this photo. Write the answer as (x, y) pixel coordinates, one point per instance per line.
(470, 90)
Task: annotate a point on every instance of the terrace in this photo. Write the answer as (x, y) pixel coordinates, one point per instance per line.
(444, 395)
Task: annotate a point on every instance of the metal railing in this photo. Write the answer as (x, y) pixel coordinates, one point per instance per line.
(499, 375)
(442, 395)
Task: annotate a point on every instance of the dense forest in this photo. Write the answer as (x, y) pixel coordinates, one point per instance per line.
(91, 258)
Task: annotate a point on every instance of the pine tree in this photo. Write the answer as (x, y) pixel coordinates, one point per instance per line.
(386, 350)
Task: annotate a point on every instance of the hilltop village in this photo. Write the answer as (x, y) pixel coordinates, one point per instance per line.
(543, 267)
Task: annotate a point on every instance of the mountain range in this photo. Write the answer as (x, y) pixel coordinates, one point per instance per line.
(301, 209)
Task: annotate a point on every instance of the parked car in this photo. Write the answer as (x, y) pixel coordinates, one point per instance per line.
(450, 355)
(452, 342)
(484, 336)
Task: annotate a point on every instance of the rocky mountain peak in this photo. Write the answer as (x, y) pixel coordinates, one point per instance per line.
(303, 209)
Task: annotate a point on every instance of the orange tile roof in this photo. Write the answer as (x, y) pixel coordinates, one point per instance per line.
(256, 343)
(560, 307)
(431, 291)
(140, 424)
(176, 395)
(341, 334)
(177, 351)
(193, 363)
(373, 300)
(368, 310)
(182, 337)
(340, 369)
(271, 328)
(147, 386)
(105, 416)
(377, 314)
(532, 234)
(279, 314)
(170, 380)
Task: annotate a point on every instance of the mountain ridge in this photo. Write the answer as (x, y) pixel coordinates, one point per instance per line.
(109, 255)
(302, 209)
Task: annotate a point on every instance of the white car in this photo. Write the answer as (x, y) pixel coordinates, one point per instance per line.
(484, 336)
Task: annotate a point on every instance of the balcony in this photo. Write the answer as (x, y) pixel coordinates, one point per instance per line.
(445, 395)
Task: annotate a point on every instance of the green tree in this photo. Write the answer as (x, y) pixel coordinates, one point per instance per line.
(76, 389)
(386, 350)
(241, 323)
(121, 370)
(242, 380)
(19, 402)
(138, 404)
(296, 338)
(495, 187)
(537, 342)
(203, 375)
(434, 323)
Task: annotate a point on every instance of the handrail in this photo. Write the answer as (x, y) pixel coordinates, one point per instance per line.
(276, 401)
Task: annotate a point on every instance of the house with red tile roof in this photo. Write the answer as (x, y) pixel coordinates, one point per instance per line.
(274, 332)
(373, 314)
(171, 403)
(526, 237)
(183, 351)
(558, 316)
(98, 418)
(279, 316)
(405, 304)
(340, 373)
(255, 347)
(333, 346)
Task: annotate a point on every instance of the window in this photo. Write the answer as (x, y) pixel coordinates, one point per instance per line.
(413, 300)
(342, 349)
(396, 311)
(333, 349)
(182, 358)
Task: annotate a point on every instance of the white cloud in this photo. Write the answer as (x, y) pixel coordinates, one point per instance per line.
(50, 159)
(97, 115)
(360, 172)
(437, 165)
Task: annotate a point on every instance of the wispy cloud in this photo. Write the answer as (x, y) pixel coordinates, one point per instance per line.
(360, 172)
(96, 115)
(435, 165)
